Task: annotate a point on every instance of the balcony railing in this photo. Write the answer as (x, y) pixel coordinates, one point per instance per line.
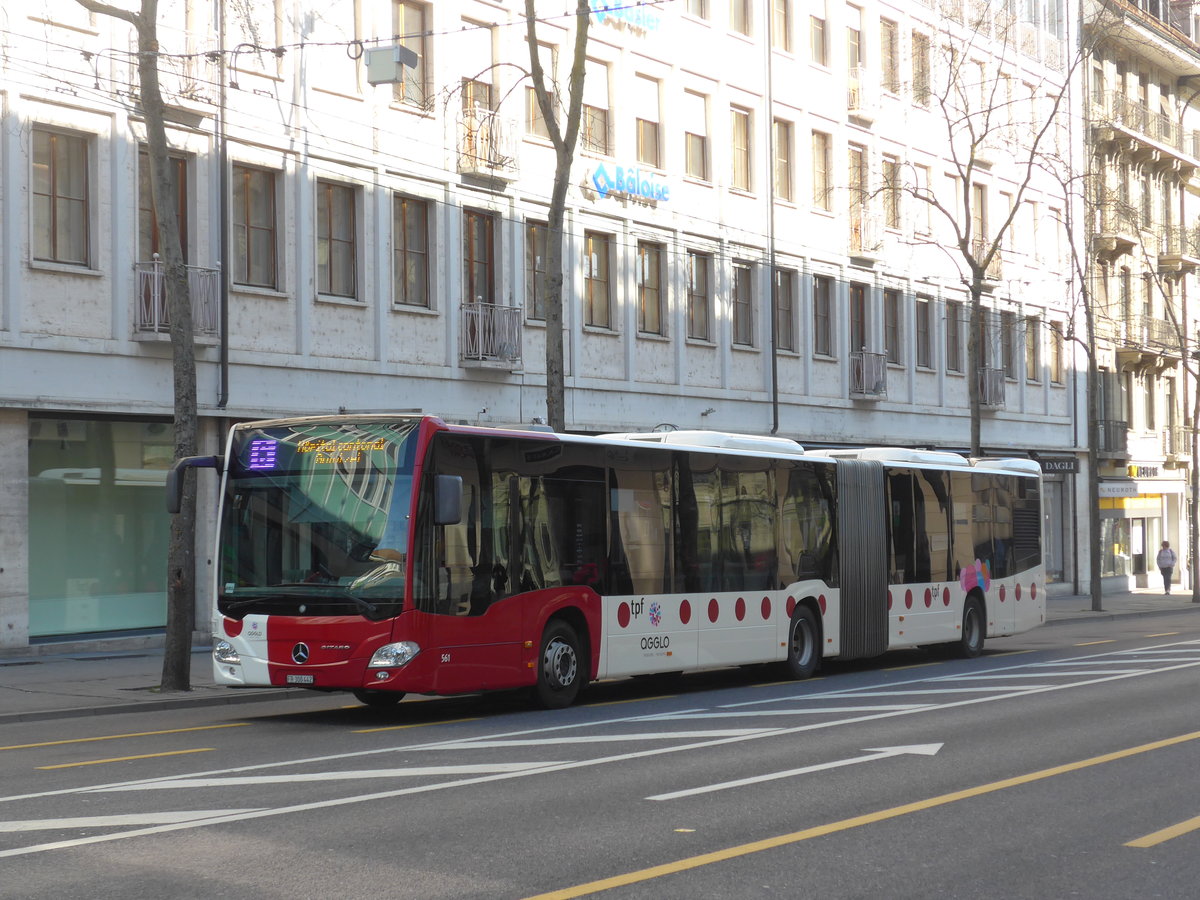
(866, 235)
(487, 144)
(1151, 331)
(1177, 442)
(490, 334)
(1119, 109)
(1112, 436)
(868, 375)
(152, 315)
(991, 387)
(862, 93)
(995, 268)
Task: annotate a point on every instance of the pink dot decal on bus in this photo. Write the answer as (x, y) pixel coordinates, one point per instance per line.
(908, 599)
(623, 615)
(685, 612)
(889, 599)
(1032, 591)
(714, 609)
(1017, 591)
(766, 608)
(1002, 593)
(928, 598)
(739, 609)
(945, 596)
(791, 606)
(821, 603)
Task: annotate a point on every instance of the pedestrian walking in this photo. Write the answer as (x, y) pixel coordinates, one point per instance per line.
(1166, 564)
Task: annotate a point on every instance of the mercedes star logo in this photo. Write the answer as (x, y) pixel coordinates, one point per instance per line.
(300, 654)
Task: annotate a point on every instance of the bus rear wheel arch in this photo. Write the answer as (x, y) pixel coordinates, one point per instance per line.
(561, 666)
(804, 642)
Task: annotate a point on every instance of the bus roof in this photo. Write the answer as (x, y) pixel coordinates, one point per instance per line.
(720, 440)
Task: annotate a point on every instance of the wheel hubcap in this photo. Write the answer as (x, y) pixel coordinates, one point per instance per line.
(559, 663)
(801, 644)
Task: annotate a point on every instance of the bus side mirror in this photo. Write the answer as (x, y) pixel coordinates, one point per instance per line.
(175, 477)
(447, 499)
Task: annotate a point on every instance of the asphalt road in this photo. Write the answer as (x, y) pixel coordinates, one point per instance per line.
(1060, 764)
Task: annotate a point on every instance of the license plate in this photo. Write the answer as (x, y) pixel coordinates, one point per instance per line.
(300, 679)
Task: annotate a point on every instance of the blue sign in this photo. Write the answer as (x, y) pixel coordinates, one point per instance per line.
(627, 13)
(632, 183)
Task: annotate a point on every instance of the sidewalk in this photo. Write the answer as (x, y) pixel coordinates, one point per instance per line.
(98, 681)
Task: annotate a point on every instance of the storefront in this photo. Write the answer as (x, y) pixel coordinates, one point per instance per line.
(97, 528)
(1136, 515)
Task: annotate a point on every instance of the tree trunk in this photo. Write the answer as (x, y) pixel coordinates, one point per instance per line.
(181, 561)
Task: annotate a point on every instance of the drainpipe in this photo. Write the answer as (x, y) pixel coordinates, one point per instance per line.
(223, 240)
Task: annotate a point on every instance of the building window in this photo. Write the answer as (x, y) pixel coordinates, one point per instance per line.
(822, 187)
(535, 123)
(698, 8)
(783, 159)
(781, 25)
(409, 22)
(535, 269)
(410, 251)
(743, 304)
(924, 324)
(891, 326)
(891, 192)
(479, 257)
(1033, 348)
(147, 219)
(593, 127)
(784, 301)
(739, 16)
(922, 190)
(650, 287)
(60, 189)
(921, 68)
(889, 56)
(954, 318)
(822, 315)
(337, 244)
(596, 256)
(695, 136)
(1008, 341)
(858, 317)
(817, 41)
(646, 102)
(854, 47)
(254, 227)
(740, 147)
(1056, 352)
(698, 267)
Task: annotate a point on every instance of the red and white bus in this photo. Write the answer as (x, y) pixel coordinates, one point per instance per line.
(396, 554)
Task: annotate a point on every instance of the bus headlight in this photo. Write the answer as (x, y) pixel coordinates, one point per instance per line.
(224, 653)
(393, 655)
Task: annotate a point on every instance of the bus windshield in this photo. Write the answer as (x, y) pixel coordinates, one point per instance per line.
(316, 519)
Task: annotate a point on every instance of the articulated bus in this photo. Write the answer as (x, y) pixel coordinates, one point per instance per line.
(396, 554)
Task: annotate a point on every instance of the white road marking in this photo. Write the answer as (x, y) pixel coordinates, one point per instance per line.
(352, 775)
(477, 743)
(154, 818)
(876, 753)
(1040, 675)
(816, 710)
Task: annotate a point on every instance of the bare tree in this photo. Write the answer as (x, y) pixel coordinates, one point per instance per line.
(982, 119)
(564, 151)
(181, 566)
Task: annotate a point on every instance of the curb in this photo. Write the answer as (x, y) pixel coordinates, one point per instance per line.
(234, 697)
(1101, 615)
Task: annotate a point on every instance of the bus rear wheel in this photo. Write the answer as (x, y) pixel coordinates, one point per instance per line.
(560, 666)
(974, 630)
(803, 649)
(378, 699)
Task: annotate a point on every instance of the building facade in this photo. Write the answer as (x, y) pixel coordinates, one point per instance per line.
(773, 215)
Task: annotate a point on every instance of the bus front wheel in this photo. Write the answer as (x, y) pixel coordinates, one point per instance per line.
(560, 666)
(974, 629)
(379, 699)
(803, 650)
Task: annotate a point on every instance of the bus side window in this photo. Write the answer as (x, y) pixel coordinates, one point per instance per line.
(933, 527)
(1027, 526)
(902, 518)
(748, 524)
(698, 523)
(808, 523)
(640, 507)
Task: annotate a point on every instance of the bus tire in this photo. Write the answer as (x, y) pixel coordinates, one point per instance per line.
(804, 645)
(974, 630)
(379, 699)
(560, 666)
